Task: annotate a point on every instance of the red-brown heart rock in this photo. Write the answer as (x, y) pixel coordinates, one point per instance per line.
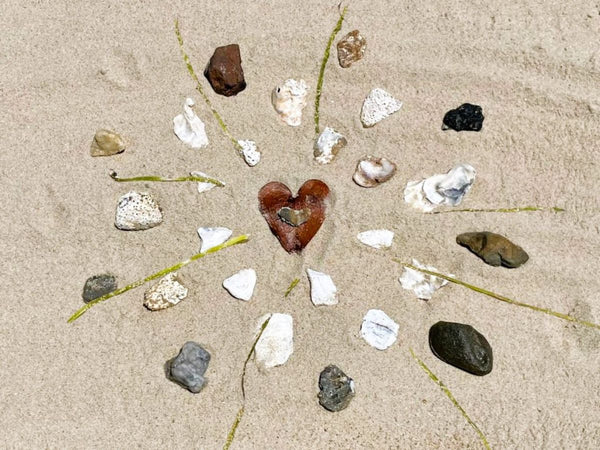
(308, 211)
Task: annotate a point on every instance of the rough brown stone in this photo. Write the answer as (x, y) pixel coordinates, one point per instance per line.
(224, 71)
(351, 48)
(493, 248)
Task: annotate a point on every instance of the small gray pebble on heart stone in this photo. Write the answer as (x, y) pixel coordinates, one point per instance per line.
(337, 389)
(493, 248)
(188, 367)
(98, 285)
(461, 346)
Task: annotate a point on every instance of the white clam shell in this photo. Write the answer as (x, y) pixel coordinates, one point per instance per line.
(137, 211)
(213, 236)
(241, 284)
(322, 289)
(276, 344)
(189, 128)
(289, 99)
(378, 105)
(327, 145)
(202, 186)
(442, 189)
(166, 293)
(376, 238)
(249, 152)
(423, 285)
(372, 171)
(378, 330)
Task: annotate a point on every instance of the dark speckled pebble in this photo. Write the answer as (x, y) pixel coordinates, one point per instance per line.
(461, 346)
(97, 286)
(337, 389)
(466, 117)
(188, 367)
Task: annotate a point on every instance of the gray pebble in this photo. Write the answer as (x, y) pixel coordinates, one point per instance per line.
(98, 285)
(188, 367)
(337, 389)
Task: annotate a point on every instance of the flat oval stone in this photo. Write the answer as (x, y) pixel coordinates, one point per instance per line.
(188, 367)
(336, 389)
(493, 248)
(461, 346)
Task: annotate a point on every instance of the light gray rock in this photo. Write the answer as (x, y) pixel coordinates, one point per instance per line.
(188, 367)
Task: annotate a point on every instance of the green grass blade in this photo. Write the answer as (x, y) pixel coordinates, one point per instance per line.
(338, 27)
(237, 240)
(446, 391)
(158, 178)
(501, 297)
(291, 287)
(505, 210)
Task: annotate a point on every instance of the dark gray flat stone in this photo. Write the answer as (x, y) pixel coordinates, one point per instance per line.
(98, 285)
(337, 389)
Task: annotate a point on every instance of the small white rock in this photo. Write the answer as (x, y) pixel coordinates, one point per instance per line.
(166, 293)
(241, 284)
(276, 343)
(327, 145)
(421, 284)
(322, 289)
(376, 238)
(249, 152)
(289, 99)
(377, 106)
(137, 211)
(213, 236)
(202, 186)
(189, 128)
(378, 329)
(441, 189)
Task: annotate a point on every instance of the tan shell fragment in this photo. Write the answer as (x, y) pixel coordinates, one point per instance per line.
(107, 143)
(372, 171)
(351, 48)
(166, 293)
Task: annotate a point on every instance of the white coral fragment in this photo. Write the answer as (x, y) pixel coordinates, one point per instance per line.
(276, 344)
(422, 284)
(213, 236)
(327, 145)
(378, 105)
(322, 289)
(137, 211)
(241, 284)
(189, 128)
(249, 152)
(378, 330)
(376, 238)
(441, 189)
(289, 99)
(166, 293)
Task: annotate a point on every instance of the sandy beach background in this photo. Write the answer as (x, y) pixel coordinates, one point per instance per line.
(71, 67)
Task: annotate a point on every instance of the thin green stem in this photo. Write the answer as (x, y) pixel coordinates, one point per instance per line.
(446, 391)
(338, 27)
(158, 178)
(501, 297)
(199, 88)
(233, 241)
(238, 417)
(291, 287)
(505, 210)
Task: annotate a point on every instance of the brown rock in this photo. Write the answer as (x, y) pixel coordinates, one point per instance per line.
(224, 71)
(307, 215)
(351, 48)
(493, 248)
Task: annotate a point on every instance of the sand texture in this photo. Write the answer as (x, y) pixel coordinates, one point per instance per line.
(69, 68)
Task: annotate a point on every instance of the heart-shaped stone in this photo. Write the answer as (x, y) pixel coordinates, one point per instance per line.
(294, 220)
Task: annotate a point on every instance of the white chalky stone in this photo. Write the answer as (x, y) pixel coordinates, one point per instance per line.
(378, 329)
(423, 285)
(376, 238)
(241, 284)
(213, 236)
(189, 128)
(322, 289)
(276, 343)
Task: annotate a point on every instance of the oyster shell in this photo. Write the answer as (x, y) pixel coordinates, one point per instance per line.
(189, 128)
(327, 145)
(372, 171)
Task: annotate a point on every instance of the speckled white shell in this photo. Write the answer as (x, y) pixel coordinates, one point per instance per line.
(289, 99)
(137, 211)
(189, 128)
(249, 152)
(166, 293)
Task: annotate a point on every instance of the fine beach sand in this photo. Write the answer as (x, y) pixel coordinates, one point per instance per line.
(69, 68)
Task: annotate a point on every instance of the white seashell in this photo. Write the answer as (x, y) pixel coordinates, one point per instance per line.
(213, 236)
(378, 329)
(276, 344)
(166, 293)
(377, 106)
(327, 145)
(376, 238)
(322, 289)
(289, 99)
(202, 186)
(189, 128)
(249, 152)
(241, 284)
(372, 171)
(137, 211)
(441, 189)
(422, 284)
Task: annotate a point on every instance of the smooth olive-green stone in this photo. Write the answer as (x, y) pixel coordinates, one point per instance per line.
(107, 143)
(493, 248)
(294, 217)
